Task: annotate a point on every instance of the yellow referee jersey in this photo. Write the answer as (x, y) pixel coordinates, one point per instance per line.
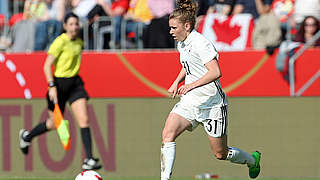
(67, 54)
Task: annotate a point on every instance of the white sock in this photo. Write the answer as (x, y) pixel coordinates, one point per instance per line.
(168, 154)
(238, 156)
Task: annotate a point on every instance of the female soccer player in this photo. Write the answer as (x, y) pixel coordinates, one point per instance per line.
(65, 54)
(203, 100)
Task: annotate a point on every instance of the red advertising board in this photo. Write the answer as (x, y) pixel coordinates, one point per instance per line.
(150, 73)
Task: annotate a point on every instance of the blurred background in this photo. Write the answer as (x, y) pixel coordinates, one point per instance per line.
(269, 58)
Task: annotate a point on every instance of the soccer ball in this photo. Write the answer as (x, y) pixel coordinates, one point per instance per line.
(88, 175)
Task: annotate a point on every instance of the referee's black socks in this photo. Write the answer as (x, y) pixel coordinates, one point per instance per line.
(87, 142)
(36, 131)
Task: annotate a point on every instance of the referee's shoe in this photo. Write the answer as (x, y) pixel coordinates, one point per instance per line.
(24, 145)
(91, 164)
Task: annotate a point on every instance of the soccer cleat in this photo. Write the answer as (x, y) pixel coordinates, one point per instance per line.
(24, 145)
(254, 169)
(91, 164)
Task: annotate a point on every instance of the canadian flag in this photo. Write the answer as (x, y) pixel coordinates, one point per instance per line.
(228, 33)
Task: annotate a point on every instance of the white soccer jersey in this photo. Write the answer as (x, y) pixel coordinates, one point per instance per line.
(195, 51)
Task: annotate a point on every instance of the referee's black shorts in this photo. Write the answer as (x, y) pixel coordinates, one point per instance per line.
(68, 89)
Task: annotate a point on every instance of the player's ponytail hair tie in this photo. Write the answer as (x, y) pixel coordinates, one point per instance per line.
(186, 12)
(187, 5)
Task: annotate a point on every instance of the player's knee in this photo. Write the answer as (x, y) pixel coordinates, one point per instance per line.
(168, 136)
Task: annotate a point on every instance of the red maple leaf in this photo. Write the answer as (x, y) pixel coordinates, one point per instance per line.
(224, 32)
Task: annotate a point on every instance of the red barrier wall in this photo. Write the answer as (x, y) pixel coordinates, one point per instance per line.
(150, 73)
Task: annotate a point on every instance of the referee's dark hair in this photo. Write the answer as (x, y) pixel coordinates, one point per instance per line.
(69, 15)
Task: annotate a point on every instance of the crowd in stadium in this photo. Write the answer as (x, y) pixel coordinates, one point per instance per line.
(131, 24)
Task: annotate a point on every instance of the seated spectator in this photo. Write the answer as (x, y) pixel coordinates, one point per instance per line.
(118, 9)
(286, 50)
(89, 11)
(203, 6)
(157, 34)
(4, 8)
(221, 6)
(115, 10)
(283, 9)
(304, 8)
(309, 27)
(138, 15)
(253, 7)
(216, 6)
(50, 27)
(267, 32)
(4, 30)
(82, 8)
(101, 8)
(34, 11)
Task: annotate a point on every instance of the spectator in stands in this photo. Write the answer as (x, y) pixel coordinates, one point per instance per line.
(304, 8)
(267, 32)
(35, 9)
(216, 6)
(158, 32)
(309, 27)
(118, 9)
(101, 8)
(253, 7)
(4, 7)
(137, 18)
(23, 32)
(283, 9)
(82, 9)
(50, 27)
(4, 30)
(204, 5)
(89, 11)
(221, 6)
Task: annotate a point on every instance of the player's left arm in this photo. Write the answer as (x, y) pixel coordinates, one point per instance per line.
(52, 92)
(213, 74)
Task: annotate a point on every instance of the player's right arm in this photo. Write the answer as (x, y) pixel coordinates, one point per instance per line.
(174, 87)
(48, 74)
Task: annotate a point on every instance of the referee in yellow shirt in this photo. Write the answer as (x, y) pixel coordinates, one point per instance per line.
(65, 54)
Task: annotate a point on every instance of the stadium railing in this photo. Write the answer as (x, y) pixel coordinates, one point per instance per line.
(104, 25)
(292, 61)
(139, 42)
(85, 35)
